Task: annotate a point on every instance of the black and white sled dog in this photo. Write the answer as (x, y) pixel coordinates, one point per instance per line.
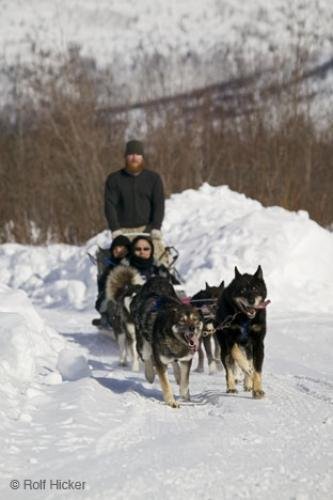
(122, 284)
(241, 329)
(168, 331)
(206, 302)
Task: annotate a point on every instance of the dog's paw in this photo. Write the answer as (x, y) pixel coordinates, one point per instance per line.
(258, 394)
(173, 403)
(232, 391)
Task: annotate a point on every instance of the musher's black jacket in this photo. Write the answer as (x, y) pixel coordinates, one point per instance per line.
(134, 200)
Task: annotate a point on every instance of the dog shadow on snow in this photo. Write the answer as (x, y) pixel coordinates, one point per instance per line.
(101, 345)
(135, 385)
(96, 345)
(130, 384)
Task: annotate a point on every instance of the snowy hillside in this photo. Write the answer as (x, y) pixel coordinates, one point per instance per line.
(188, 34)
(109, 28)
(70, 413)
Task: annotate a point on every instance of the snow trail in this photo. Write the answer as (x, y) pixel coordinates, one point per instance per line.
(114, 432)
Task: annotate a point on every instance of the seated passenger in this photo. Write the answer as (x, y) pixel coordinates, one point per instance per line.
(107, 261)
(141, 257)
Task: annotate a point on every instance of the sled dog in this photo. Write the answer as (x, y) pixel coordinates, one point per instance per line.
(206, 302)
(241, 329)
(145, 304)
(121, 286)
(168, 331)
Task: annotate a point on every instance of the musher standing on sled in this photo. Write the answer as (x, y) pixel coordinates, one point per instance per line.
(134, 203)
(134, 199)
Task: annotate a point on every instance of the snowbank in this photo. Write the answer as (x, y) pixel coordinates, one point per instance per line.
(221, 229)
(58, 275)
(28, 348)
(214, 229)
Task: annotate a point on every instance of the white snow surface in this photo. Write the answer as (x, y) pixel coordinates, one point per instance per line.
(70, 412)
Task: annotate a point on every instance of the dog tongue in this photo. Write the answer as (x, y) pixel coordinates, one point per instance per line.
(186, 300)
(193, 342)
(263, 304)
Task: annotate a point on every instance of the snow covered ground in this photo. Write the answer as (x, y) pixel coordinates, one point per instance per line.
(69, 412)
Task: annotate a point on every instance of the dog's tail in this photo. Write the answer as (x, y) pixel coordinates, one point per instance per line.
(120, 278)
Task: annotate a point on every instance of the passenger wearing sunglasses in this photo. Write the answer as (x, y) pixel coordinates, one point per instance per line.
(141, 257)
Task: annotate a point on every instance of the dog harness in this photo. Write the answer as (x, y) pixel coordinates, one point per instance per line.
(227, 322)
(157, 302)
(244, 327)
(245, 331)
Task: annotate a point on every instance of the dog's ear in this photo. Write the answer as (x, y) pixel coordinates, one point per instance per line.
(259, 274)
(207, 287)
(237, 273)
(220, 290)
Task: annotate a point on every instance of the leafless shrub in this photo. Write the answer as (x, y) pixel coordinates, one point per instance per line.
(62, 136)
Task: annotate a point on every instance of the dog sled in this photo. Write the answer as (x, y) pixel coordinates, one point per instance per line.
(168, 259)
